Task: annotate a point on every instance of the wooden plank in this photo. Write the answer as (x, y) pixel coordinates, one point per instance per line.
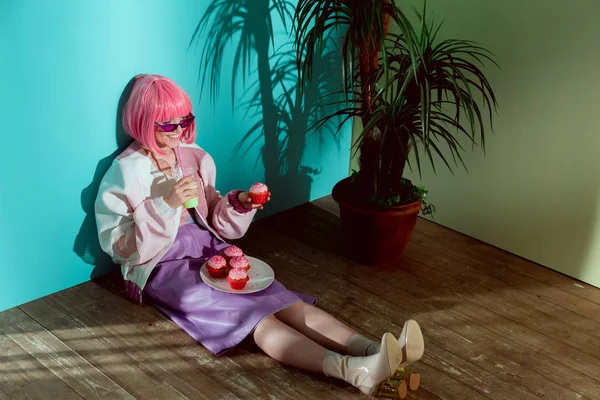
(262, 376)
(328, 204)
(3, 395)
(374, 317)
(377, 284)
(421, 394)
(481, 261)
(434, 276)
(24, 377)
(518, 290)
(585, 332)
(518, 264)
(554, 279)
(522, 290)
(160, 360)
(260, 384)
(487, 252)
(371, 322)
(114, 346)
(58, 358)
(567, 343)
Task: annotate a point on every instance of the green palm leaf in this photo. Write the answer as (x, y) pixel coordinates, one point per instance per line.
(423, 92)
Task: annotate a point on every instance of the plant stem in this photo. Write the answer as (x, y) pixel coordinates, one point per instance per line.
(368, 58)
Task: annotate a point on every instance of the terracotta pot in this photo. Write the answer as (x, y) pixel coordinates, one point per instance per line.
(373, 235)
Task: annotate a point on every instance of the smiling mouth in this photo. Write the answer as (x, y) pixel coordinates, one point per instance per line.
(173, 136)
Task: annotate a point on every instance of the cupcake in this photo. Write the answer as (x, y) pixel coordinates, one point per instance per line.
(238, 277)
(239, 262)
(217, 267)
(232, 251)
(259, 193)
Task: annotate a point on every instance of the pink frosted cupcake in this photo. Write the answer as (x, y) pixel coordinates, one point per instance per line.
(217, 267)
(239, 262)
(259, 193)
(237, 278)
(232, 251)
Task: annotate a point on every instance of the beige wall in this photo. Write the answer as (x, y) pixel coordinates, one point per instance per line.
(537, 191)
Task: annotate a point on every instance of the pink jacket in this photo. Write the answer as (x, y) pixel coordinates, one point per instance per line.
(136, 226)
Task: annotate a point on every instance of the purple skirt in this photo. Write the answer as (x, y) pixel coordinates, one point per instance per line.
(218, 320)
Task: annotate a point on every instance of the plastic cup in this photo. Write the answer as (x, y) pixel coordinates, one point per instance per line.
(192, 203)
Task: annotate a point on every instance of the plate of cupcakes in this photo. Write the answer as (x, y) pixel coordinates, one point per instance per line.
(234, 272)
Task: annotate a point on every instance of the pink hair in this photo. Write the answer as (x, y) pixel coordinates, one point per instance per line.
(155, 98)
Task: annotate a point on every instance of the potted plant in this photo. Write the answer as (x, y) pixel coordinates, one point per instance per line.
(413, 93)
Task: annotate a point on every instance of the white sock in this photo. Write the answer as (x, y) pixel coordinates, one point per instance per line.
(333, 365)
(360, 346)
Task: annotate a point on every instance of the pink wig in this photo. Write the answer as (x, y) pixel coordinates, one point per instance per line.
(155, 98)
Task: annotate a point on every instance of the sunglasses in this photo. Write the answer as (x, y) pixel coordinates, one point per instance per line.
(184, 123)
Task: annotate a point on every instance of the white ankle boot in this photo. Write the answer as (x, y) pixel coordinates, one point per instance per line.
(411, 340)
(365, 373)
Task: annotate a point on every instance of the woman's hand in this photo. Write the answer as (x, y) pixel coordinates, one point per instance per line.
(184, 190)
(247, 201)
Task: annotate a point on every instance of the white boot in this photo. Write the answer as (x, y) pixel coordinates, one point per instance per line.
(365, 373)
(411, 340)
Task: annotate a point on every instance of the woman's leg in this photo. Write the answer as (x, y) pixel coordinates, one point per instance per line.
(292, 348)
(326, 330)
(288, 346)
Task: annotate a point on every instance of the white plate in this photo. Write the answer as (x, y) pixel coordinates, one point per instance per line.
(260, 273)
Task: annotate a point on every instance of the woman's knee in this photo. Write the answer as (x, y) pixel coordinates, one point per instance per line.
(293, 310)
(266, 333)
(265, 324)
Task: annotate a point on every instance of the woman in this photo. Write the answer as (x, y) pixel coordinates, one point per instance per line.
(161, 246)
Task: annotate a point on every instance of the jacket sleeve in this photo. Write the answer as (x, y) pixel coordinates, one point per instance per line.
(230, 220)
(132, 230)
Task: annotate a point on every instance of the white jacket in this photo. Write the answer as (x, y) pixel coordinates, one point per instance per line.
(136, 226)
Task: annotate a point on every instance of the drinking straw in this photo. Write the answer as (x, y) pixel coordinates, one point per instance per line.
(180, 162)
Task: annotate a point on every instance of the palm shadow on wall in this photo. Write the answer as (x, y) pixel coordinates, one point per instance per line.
(87, 245)
(283, 120)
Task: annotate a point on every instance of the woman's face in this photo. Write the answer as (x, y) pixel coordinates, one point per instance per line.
(168, 139)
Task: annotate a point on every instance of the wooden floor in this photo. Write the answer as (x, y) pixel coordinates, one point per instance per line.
(495, 326)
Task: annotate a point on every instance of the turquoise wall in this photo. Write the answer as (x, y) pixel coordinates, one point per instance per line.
(65, 66)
